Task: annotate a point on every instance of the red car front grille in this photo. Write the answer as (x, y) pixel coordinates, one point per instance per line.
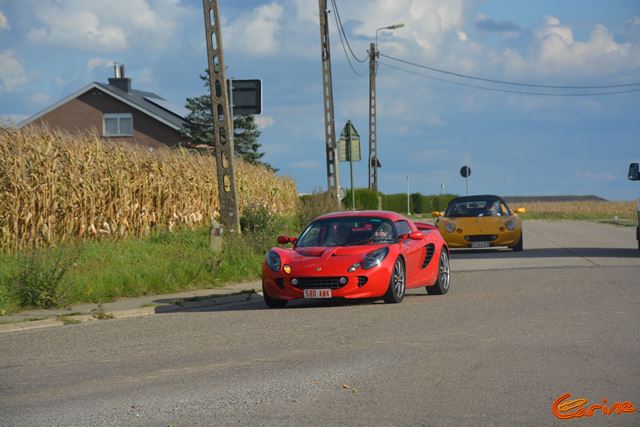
(318, 283)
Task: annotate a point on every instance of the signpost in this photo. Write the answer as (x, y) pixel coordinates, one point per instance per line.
(349, 151)
(465, 172)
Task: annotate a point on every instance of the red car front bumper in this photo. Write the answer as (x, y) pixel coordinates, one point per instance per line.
(360, 284)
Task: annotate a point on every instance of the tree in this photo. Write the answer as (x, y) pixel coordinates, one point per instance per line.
(199, 128)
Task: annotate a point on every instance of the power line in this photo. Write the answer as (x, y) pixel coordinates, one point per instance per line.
(504, 82)
(518, 92)
(342, 41)
(341, 29)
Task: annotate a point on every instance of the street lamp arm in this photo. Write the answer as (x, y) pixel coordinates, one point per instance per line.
(389, 27)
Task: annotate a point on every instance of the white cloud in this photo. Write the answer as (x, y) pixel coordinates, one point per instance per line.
(4, 22)
(557, 52)
(256, 32)
(10, 120)
(94, 63)
(264, 121)
(435, 121)
(60, 81)
(634, 21)
(462, 36)
(428, 23)
(38, 99)
(103, 25)
(306, 164)
(595, 176)
(12, 72)
(144, 76)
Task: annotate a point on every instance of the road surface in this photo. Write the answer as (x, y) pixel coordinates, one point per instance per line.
(516, 331)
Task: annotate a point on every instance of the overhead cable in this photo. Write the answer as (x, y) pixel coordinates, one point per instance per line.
(505, 82)
(519, 92)
(341, 29)
(342, 42)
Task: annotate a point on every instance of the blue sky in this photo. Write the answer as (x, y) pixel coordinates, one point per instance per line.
(516, 144)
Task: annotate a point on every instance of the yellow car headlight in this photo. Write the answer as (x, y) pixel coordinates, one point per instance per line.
(510, 224)
(450, 227)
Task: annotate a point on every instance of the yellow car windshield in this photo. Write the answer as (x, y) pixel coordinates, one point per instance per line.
(476, 206)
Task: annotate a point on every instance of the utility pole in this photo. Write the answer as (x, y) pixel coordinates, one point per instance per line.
(373, 146)
(373, 125)
(222, 120)
(333, 179)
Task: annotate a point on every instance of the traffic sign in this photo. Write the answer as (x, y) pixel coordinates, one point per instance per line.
(465, 171)
(349, 151)
(246, 96)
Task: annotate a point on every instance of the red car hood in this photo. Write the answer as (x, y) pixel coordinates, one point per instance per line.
(333, 251)
(328, 258)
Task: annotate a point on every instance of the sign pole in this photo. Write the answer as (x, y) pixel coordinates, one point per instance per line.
(408, 197)
(349, 151)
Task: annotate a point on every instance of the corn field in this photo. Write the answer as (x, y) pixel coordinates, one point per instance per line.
(56, 187)
(581, 209)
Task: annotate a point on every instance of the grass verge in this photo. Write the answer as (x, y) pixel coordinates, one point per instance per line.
(164, 262)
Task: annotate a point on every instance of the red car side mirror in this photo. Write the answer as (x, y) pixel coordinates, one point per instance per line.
(283, 240)
(416, 235)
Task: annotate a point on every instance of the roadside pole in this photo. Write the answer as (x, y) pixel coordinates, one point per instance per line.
(222, 119)
(333, 179)
(408, 198)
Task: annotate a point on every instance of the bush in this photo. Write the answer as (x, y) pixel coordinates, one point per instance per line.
(395, 202)
(314, 205)
(365, 199)
(259, 227)
(439, 203)
(419, 203)
(38, 282)
(7, 300)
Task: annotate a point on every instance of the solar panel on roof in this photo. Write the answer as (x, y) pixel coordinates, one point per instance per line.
(162, 103)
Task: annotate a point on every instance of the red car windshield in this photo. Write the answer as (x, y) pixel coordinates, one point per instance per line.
(347, 231)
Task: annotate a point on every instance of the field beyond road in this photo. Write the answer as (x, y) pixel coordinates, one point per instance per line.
(516, 331)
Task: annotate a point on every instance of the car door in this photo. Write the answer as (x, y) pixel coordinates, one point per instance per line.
(411, 250)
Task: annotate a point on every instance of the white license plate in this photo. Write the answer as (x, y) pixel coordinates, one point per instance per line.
(317, 293)
(480, 244)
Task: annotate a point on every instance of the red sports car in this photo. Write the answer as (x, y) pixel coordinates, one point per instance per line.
(365, 254)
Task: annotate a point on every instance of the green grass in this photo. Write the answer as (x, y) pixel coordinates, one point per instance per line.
(164, 262)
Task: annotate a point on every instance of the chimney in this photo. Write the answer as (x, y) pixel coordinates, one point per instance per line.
(119, 80)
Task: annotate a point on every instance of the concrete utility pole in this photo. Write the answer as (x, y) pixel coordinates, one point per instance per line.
(333, 179)
(373, 146)
(374, 163)
(222, 120)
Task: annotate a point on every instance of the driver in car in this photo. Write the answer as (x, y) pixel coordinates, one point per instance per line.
(383, 232)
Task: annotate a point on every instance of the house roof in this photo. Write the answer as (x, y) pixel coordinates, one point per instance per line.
(147, 102)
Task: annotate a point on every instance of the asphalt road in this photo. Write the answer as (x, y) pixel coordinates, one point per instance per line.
(515, 332)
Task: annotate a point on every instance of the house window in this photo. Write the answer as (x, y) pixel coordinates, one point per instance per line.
(118, 124)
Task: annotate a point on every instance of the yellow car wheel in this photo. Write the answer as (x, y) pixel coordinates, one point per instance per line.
(519, 246)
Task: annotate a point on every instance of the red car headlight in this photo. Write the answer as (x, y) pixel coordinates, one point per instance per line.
(273, 261)
(373, 259)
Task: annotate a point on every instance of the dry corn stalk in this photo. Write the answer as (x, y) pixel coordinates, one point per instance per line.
(55, 187)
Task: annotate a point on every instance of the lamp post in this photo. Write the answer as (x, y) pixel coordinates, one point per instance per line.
(390, 27)
(373, 142)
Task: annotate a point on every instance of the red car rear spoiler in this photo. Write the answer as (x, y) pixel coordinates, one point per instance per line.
(423, 226)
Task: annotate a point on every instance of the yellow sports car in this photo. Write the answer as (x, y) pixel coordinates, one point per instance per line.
(480, 222)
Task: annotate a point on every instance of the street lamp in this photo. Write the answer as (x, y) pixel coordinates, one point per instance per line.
(390, 27)
(374, 163)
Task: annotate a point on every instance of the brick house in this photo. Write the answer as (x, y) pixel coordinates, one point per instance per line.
(115, 110)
